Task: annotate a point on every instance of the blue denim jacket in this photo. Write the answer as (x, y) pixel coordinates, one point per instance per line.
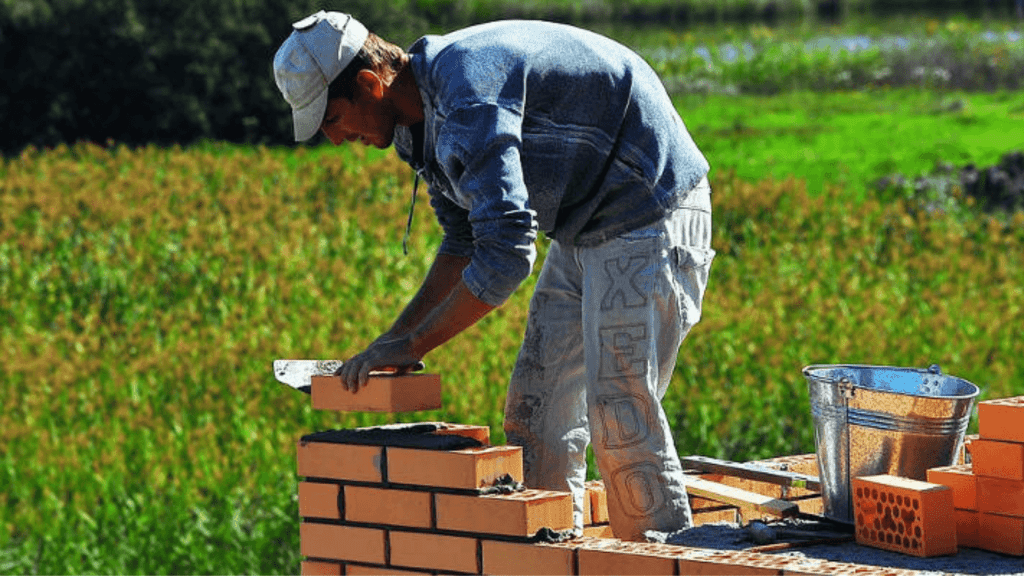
(535, 125)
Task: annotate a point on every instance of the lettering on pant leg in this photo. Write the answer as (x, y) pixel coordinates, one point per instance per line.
(623, 351)
(625, 420)
(639, 489)
(623, 286)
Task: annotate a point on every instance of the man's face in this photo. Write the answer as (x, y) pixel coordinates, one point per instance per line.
(365, 119)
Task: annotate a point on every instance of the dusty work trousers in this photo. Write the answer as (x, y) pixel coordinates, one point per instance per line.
(604, 330)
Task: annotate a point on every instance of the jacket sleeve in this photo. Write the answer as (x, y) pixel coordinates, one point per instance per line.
(479, 149)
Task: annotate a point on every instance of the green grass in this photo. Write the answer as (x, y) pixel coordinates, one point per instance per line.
(852, 138)
(144, 294)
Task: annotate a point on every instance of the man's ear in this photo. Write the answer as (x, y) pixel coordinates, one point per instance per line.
(370, 82)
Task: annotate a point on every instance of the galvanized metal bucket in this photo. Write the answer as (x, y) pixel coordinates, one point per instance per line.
(883, 420)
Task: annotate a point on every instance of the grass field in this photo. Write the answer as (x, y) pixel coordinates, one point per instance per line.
(144, 294)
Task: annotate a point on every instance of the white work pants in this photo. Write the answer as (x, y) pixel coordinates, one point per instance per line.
(604, 330)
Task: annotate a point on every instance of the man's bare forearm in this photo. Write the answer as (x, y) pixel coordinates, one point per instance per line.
(444, 275)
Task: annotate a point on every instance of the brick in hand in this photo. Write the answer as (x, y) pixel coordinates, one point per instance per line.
(404, 393)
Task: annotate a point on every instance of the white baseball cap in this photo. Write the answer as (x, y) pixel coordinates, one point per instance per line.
(319, 48)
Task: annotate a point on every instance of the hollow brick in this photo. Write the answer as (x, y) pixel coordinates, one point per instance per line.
(1000, 419)
(961, 480)
(319, 500)
(998, 459)
(1001, 533)
(351, 543)
(904, 515)
(501, 558)
(470, 468)
(387, 507)
(599, 531)
(389, 394)
(436, 552)
(340, 461)
(320, 568)
(1000, 496)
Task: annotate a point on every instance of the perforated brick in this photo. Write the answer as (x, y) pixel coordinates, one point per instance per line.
(387, 507)
(1001, 419)
(340, 461)
(390, 394)
(904, 515)
(1001, 533)
(998, 459)
(335, 542)
(961, 480)
(501, 558)
(433, 552)
(516, 514)
(1000, 496)
(471, 468)
(319, 500)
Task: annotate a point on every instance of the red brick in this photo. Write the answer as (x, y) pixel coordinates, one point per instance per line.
(516, 514)
(361, 570)
(471, 468)
(1001, 419)
(479, 433)
(500, 558)
(340, 461)
(966, 528)
(334, 542)
(715, 515)
(319, 500)
(599, 531)
(599, 557)
(998, 459)
(999, 533)
(904, 515)
(1000, 496)
(433, 552)
(598, 500)
(706, 561)
(316, 568)
(961, 480)
(389, 507)
(406, 393)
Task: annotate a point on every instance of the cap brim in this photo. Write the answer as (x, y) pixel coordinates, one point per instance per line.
(308, 119)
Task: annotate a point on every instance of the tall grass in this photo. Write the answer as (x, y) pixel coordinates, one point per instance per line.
(144, 294)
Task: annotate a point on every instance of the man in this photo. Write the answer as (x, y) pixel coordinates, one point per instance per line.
(520, 126)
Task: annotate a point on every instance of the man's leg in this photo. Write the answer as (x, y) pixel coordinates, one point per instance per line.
(642, 294)
(545, 408)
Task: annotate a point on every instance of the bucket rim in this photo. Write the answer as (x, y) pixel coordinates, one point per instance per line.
(807, 372)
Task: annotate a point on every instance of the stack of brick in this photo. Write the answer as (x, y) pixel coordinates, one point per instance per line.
(988, 493)
(383, 508)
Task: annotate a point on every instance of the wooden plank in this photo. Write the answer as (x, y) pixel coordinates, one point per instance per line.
(742, 498)
(751, 472)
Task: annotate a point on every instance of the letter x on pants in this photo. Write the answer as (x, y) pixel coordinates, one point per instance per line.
(603, 334)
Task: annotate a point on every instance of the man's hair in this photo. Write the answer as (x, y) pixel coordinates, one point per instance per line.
(377, 55)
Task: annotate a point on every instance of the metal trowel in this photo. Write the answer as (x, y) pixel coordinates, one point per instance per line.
(299, 373)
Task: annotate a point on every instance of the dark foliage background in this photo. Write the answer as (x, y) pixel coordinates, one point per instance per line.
(153, 71)
(177, 71)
